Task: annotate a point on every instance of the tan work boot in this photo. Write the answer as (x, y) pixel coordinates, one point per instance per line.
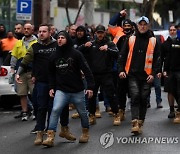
(92, 119)
(116, 120)
(65, 133)
(39, 138)
(75, 115)
(121, 114)
(140, 125)
(135, 127)
(108, 109)
(85, 135)
(177, 118)
(110, 113)
(98, 113)
(49, 142)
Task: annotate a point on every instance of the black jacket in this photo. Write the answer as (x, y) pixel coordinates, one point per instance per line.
(79, 43)
(101, 62)
(171, 53)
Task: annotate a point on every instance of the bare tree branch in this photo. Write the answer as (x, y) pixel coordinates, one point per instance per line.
(79, 11)
(67, 11)
(67, 2)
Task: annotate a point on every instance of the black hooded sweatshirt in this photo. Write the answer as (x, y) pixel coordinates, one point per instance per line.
(171, 51)
(79, 43)
(65, 68)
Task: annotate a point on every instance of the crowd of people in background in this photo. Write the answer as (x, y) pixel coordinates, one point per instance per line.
(56, 71)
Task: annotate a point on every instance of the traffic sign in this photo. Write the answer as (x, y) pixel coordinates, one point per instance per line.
(24, 9)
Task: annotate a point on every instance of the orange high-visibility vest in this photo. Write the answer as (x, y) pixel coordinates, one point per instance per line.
(116, 32)
(149, 54)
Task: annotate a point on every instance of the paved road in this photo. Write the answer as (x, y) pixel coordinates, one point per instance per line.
(160, 135)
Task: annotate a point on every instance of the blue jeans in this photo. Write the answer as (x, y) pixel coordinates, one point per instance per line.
(61, 99)
(157, 87)
(104, 97)
(86, 97)
(42, 104)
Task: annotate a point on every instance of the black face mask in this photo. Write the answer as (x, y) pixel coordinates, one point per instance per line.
(127, 31)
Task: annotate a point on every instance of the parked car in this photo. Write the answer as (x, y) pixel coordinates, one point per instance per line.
(8, 97)
(164, 33)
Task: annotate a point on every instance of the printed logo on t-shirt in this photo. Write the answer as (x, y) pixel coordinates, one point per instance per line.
(64, 65)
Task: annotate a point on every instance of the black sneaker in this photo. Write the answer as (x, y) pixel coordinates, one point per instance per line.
(148, 105)
(34, 131)
(159, 105)
(176, 106)
(24, 116)
(18, 116)
(30, 113)
(171, 114)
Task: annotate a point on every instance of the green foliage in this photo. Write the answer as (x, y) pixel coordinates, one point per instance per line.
(7, 13)
(6, 2)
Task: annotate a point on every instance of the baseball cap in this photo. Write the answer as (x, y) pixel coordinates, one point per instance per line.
(100, 28)
(127, 21)
(143, 18)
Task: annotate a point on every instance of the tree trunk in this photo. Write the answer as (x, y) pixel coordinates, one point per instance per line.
(89, 12)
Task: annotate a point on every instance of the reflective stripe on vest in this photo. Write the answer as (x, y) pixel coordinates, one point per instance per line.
(149, 54)
(116, 32)
(118, 36)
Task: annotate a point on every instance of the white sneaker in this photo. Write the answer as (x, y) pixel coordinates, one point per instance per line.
(128, 104)
(24, 116)
(33, 117)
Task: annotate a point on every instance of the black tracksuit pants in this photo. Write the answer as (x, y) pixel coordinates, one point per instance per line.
(139, 91)
(106, 82)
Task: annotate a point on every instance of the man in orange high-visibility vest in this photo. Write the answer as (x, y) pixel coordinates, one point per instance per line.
(140, 61)
(121, 29)
(115, 25)
(122, 84)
